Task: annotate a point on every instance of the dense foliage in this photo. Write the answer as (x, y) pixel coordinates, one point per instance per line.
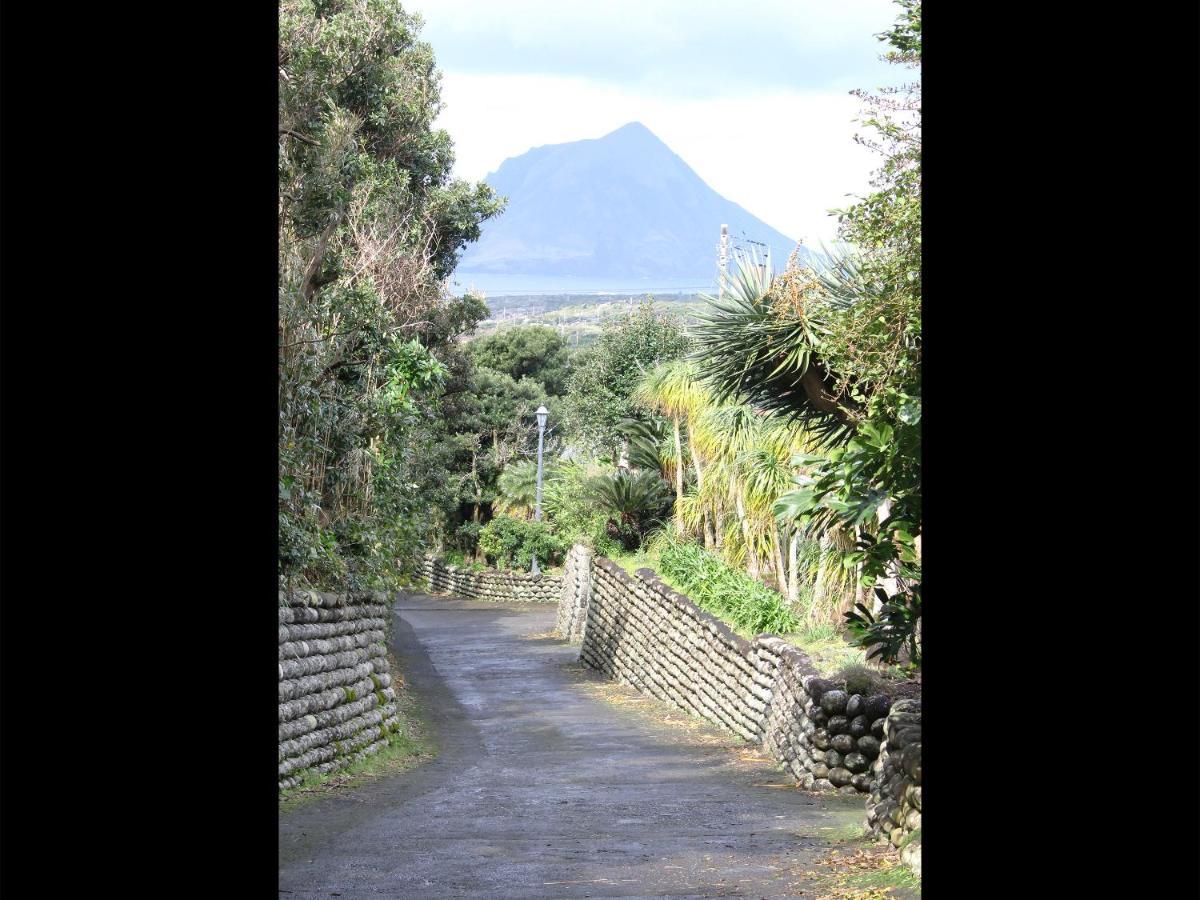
(840, 352)
(634, 503)
(723, 590)
(370, 222)
(526, 351)
(603, 377)
(509, 542)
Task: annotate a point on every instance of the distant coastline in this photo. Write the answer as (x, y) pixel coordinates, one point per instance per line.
(504, 285)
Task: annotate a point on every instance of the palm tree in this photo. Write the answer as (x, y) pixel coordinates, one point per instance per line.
(754, 354)
(516, 489)
(676, 390)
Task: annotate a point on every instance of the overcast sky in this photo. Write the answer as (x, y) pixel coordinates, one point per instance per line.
(754, 96)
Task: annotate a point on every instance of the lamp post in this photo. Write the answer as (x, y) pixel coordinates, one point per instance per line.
(542, 413)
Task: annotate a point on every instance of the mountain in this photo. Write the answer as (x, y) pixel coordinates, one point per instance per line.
(620, 206)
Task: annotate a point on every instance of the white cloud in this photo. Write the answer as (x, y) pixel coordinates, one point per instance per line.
(786, 156)
(674, 47)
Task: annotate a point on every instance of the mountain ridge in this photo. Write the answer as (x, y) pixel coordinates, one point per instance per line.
(621, 205)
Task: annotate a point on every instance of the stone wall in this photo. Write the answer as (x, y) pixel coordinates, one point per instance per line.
(336, 703)
(641, 632)
(499, 587)
(894, 810)
(576, 589)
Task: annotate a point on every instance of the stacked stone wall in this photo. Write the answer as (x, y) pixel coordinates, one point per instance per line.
(894, 809)
(490, 584)
(336, 702)
(576, 591)
(641, 632)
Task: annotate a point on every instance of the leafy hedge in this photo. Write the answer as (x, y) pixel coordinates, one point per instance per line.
(726, 593)
(510, 543)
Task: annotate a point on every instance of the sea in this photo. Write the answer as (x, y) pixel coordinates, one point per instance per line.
(507, 285)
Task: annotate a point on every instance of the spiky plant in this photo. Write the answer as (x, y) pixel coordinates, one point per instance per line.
(516, 489)
(634, 503)
(762, 345)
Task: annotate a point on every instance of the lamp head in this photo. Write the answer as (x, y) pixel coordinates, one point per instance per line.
(542, 413)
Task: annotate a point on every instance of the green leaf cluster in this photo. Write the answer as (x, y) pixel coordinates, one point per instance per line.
(724, 591)
(511, 543)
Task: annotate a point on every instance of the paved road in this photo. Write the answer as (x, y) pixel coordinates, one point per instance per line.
(542, 789)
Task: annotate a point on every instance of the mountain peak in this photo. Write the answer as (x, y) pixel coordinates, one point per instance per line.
(622, 205)
(631, 128)
(633, 132)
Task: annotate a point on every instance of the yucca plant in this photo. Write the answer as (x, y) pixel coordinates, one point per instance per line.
(763, 348)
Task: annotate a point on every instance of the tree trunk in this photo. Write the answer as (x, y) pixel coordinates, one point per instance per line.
(751, 554)
(889, 582)
(793, 587)
(780, 568)
(707, 525)
(678, 479)
(820, 595)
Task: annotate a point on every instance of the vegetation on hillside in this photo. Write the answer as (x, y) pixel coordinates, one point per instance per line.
(370, 222)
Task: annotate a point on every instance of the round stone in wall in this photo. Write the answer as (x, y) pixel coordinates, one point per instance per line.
(817, 687)
(876, 707)
(868, 746)
(859, 726)
(820, 770)
(862, 782)
(913, 795)
(834, 702)
(838, 725)
(855, 762)
(842, 743)
(877, 728)
(833, 759)
(854, 707)
(839, 776)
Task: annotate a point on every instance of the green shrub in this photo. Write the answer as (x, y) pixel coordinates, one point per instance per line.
(574, 514)
(510, 543)
(725, 592)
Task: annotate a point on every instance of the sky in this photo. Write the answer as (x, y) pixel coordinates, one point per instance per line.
(753, 96)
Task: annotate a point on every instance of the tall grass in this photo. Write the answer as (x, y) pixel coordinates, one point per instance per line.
(725, 592)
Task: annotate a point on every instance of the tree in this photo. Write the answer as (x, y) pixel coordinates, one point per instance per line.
(634, 504)
(526, 351)
(601, 384)
(370, 222)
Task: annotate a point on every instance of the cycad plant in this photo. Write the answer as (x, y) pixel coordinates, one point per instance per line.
(634, 504)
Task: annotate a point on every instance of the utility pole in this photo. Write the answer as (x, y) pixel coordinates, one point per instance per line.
(723, 260)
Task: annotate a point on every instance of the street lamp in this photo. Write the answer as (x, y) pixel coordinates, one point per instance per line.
(542, 413)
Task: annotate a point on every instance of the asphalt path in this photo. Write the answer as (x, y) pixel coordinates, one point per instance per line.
(543, 788)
